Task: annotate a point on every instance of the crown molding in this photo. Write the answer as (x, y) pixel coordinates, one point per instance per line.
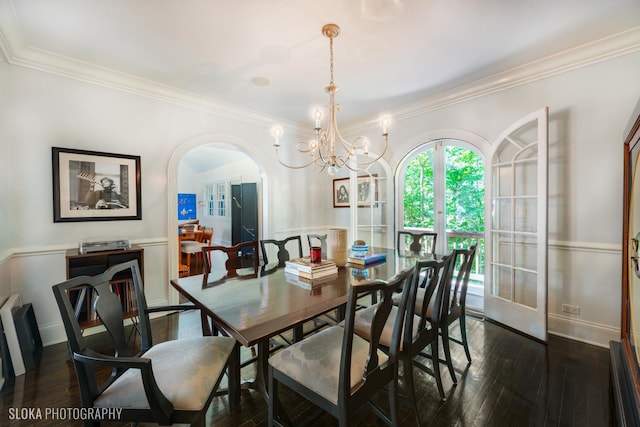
(600, 50)
(17, 52)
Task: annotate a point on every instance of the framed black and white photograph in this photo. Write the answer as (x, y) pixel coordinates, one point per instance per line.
(366, 196)
(95, 186)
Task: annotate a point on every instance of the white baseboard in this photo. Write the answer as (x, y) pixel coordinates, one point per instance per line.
(580, 330)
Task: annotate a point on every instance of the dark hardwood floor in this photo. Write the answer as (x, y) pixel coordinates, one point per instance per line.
(512, 381)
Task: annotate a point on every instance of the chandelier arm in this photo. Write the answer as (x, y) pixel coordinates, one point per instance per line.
(306, 165)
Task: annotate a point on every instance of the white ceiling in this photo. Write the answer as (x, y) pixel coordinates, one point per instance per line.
(270, 58)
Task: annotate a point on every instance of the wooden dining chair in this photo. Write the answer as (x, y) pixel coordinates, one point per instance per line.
(318, 240)
(416, 242)
(166, 383)
(336, 369)
(194, 247)
(430, 282)
(240, 260)
(458, 306)
(283, 251)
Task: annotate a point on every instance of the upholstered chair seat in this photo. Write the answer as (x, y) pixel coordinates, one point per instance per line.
(306, 362)
(194, 364)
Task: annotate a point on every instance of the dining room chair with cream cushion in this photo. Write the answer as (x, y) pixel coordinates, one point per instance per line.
(169, 382)
(240, 260)
(194, 247)
(419, 331)
(458, 305)
(227, 262)
(285, 248)
(336, 369)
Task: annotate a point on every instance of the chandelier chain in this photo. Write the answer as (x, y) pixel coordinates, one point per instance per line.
(331, 60)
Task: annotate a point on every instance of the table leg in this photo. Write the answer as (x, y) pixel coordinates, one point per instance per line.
(234, 378)
(298, 333)
(262, 369)
(262, 375)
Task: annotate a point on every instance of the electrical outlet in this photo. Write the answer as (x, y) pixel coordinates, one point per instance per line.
(572, 309)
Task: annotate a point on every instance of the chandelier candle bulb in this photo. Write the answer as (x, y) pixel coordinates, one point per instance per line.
(385, 125)
(277, 133)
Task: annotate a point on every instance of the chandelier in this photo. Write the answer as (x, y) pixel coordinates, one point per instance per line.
(328, 149)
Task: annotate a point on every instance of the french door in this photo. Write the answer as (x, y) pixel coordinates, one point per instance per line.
(516, 280)
(443, 191)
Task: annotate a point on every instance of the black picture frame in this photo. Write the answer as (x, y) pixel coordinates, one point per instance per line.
(95, 186)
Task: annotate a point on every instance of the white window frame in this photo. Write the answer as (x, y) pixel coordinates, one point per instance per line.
(216, 196)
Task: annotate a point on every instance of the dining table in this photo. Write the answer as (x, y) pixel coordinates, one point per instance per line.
(253, 309)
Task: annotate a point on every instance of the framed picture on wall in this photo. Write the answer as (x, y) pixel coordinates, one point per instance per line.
(95, 186)
(367, 191)
(186, 206)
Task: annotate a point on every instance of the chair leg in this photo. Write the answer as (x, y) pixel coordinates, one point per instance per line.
(407, 377)
(447, 353)
(436, 367)
(463, 335)
(393, 400)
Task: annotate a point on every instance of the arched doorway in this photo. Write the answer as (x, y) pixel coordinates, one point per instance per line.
(203, 166)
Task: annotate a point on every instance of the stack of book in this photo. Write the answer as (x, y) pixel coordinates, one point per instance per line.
(303, 272)
(360, 255)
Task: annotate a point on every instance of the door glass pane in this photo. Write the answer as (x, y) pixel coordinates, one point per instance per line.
(419, 192)
(506, 152)
(501, 214)
(502, 252)
(526, 178)
(526, 286)
(526, 215)
(502, 282)
(525, 251)
(464, 190)
(502, 180)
